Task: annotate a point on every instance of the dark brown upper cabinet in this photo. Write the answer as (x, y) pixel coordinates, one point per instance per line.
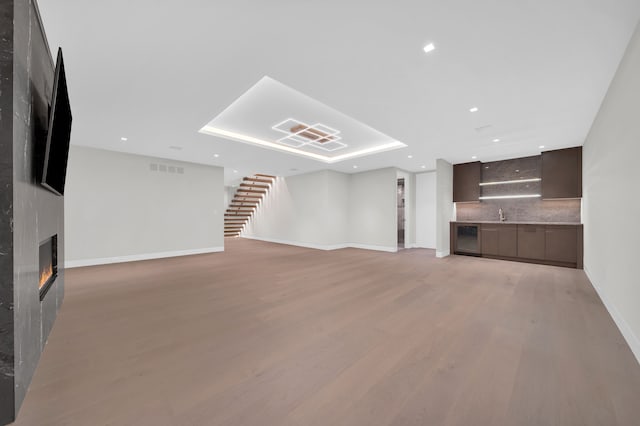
(562, 173)
(466, 182)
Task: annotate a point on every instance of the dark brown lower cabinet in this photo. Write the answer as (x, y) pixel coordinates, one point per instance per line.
(489, 240)
(508, 240)
(531, 243)
(561, 244)
(499, 240)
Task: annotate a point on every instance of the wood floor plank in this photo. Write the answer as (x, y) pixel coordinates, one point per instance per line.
(345, 337)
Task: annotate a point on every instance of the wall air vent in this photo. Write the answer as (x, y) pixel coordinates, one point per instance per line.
(299, 134)
(164, 168)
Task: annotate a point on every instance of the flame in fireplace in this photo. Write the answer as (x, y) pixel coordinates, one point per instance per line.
(45, 275)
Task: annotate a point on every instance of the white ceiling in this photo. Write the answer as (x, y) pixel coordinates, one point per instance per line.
(156, 71)
(268, 115)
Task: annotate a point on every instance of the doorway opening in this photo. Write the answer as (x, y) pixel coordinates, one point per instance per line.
(401, 216)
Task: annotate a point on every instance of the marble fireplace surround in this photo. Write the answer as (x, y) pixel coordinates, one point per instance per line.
(29, 214)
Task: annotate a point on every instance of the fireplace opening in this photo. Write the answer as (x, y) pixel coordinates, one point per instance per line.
(48, 261)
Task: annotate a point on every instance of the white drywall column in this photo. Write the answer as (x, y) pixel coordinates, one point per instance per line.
(444, 206)
(426, 210)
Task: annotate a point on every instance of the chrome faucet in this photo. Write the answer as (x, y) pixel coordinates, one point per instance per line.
(501, 214)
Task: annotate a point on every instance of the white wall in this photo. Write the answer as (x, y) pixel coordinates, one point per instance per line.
(229, 193)
(118, 209)
(444, 206)
(373, 211)
(611, 206)
(328, 210)
(337, 211)
(426, 210)
(307, 210)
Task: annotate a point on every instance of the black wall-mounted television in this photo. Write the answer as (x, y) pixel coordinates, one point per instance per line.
(54, 170)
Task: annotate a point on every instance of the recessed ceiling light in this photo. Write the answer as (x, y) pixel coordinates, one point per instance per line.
(355, 167)
(235, 171)
(216, 155)
(124, 139)
(428, 48)
(409, 156)
(474, 157)
(496, 140)
(474, 109)
(176, 148)
(423, 167)
(541, 146)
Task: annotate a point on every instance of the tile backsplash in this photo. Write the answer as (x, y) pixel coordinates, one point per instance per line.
(521, 210)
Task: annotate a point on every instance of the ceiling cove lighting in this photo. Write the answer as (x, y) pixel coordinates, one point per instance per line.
(474, 109)
(213, 131)
(429, 48)
(503, 182)
(504, 197)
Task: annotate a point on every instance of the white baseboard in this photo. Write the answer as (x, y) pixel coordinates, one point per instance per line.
(135, 257)
(418, 245)
(323, 246)
(298, 243)
(442, 253)
(372, 247)
(627, 332)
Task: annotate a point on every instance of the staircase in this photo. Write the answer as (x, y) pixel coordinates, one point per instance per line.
(245, 201)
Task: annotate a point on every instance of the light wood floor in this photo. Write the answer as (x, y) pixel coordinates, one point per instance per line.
(268, 334)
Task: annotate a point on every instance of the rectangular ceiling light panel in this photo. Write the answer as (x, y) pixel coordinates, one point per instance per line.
(318, 136)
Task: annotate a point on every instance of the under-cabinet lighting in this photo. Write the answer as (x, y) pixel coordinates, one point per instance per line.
(502, 182)
(503, 197)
